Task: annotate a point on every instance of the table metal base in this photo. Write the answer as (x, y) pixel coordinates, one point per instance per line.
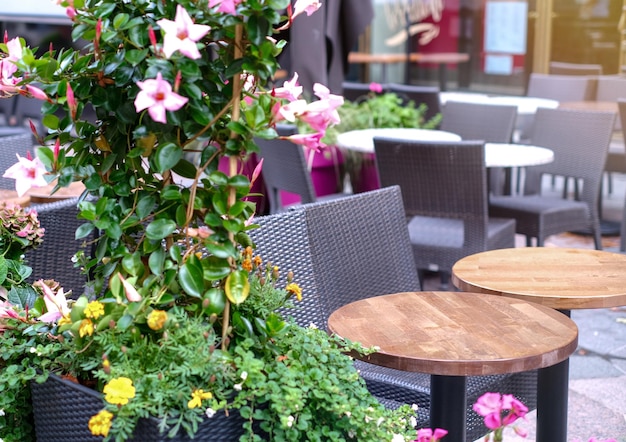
(448, 403)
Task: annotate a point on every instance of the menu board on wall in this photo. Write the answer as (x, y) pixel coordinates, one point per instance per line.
(505, 27)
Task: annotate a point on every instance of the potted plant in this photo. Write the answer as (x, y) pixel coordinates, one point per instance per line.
(181, 327)
(377, 109)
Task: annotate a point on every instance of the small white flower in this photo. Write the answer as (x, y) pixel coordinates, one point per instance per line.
(33, 350)
(351, 434)
(244, 375)
(237, 387)
(398, 438)
(413, 421)
(290, 420)
(368, 419)
(380, 421)
(210, 412)
(348, 414)
(1, 413)
(414, 407)
(313, 326)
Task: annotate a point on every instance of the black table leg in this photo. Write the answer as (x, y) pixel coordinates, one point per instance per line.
(448, 399)
(552, 392)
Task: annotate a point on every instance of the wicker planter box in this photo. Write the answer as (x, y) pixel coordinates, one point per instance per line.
(62, 410)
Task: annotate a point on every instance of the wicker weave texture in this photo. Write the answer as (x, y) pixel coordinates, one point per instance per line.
(428, 95)
(479, 121)
(62, 410)
(580, 141)
(561, 87)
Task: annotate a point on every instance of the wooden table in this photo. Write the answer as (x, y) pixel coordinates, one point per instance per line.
(10, 197)
(442, 59)
(41, 195)
(558, 278)
(451, 335)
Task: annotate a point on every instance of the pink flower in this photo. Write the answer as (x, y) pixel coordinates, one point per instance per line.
(256, 172)
(7, 311)
(157, 96)
(376, 87)
(225, 6)
(291, 90)
(27, 173)
(312, 141)
(56, 303)
(182, 34)
(15, 49)
(34, 92)
(308, 6)
(131, 292)
(500, 411)
(71, 101)
(428, 435)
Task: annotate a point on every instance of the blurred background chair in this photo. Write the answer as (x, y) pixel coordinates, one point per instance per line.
(481, 121)
(563, 68)
(561, 87)
(355, 91)
(53, 258)
(580, 141)
(444, 190)
(285, 169)
(427, 95)
(354, 248)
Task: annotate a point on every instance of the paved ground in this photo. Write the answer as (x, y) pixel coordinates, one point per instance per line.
(597, 387)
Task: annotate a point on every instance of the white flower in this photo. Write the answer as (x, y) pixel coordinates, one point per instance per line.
(313, 326)
(210, 412)
(237, 387)
(1, 413)
(414, 407)
(413, 421)
(397, 438)
(244, 375)
(290, 420)
(33, 350)
(380, 421)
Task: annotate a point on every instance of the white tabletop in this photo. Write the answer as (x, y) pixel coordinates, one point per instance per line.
(363, 140)
(525, 105)
(516, 155)
(465, 97)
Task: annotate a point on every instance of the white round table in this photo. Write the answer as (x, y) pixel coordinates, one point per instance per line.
(465, 97)
(363, 140)
(525, 105)
(516, 155)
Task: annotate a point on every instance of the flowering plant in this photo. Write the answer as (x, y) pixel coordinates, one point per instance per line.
(179, 321)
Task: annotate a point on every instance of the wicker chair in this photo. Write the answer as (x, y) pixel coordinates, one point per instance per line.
(285, 169)
(428, 95)
(53, 258)
(561, 87)
(339, 257)
(9, 146)
(444, 187)
(580, 141)
(481, 121)
(355, 91)
(563, 68)
(619, 165)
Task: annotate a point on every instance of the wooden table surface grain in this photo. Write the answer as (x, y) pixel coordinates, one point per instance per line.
(560, 278)
(456, 333)
(11, 197)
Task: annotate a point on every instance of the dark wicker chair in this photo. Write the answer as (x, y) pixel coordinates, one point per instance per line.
(358, 247)
(355, 91)
(53, 258)
(9, 146)
(481, 121)
(564, 68)
(561, 87)
(285, 169)
(444, 188)
(428, 95)
(580, 141)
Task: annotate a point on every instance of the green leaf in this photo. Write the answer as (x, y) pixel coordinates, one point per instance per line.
(191, 278)
(167, 156)
(160, 228)
(156, 260)
(237, 287)
(84, 230)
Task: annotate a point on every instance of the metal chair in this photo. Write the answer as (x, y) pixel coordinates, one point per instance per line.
(481, 121)
(428, 95)
(9, 146)
(580, 141)
(353, 248)
(53, 258)
(444, 189)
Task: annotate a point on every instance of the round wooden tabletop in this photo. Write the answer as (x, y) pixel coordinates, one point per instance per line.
(456, 333)
(600, 106)
(11, 197)
(559, 278)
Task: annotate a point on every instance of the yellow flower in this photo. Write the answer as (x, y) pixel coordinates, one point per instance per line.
(119, 391)
(94, 310)
(197, 396)
(86, 328)
(295, 289)
(156, 319)
(65, 320)
(100, 424)
(247, 265)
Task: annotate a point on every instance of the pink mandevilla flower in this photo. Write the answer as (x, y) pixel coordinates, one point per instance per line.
(7, 310)
(56, 303)
(182, 34)
(225, 6)
(312, 141)
(291, 90)
(157, 96)
(131, 292)
(27, 173)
